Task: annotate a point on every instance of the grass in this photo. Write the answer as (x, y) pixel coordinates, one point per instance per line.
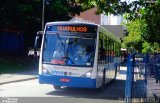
(13, 64)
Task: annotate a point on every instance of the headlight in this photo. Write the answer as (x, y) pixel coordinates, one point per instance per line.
(45, 71)
(86, 75)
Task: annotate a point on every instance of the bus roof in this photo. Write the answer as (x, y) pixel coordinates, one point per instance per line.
(109, 34)
(68, 22)
(101, 29)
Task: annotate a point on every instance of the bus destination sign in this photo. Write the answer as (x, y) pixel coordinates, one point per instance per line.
(72, 28)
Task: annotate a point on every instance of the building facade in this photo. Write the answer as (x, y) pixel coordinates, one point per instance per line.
(101, 19)
(111, 22)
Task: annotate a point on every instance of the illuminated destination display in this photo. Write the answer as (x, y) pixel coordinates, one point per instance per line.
(72, 28)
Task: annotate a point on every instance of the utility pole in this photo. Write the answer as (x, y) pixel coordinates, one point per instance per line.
(43, 15)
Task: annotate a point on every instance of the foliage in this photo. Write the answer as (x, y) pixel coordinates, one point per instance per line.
(144, 10)
(26, 15)
(17, 13)
(151, 16)
(134, 39)
(150, 47)
(59, 10)
(116, 7)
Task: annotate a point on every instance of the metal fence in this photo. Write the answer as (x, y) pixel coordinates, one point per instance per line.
(153, 67)
(129, 78)
(139, 68)
(11, 42)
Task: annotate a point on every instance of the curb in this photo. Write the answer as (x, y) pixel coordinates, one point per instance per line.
(20, 80)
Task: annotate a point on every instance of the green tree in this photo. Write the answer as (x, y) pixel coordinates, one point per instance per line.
(20, 13)
(147, 10)
(134, 38)
(116, 7)
(26, 15)
(150, 47)
(151, 16)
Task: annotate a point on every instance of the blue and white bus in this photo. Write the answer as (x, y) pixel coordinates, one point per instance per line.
(89, 58)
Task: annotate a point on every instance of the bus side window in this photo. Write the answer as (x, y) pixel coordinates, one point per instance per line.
(101, 51)
(102, 54)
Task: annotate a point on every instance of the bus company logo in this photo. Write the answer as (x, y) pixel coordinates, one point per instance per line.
(57, 72)
(65, 73)
(69, 73)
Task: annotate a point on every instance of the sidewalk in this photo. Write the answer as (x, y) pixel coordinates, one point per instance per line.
(145, 87)
(17, 77)
(153, 88)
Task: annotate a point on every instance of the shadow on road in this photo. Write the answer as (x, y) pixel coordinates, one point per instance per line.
(112, 91)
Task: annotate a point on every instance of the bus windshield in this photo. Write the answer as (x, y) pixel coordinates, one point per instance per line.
(66, 48)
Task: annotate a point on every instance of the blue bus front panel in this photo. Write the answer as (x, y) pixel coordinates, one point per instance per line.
(68, 81)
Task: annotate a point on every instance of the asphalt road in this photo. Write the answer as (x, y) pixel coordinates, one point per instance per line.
(114, 92)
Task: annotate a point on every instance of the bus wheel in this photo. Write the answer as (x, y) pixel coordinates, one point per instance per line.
(57, 87)
(115, 74)
(104, 77)
(103, 83)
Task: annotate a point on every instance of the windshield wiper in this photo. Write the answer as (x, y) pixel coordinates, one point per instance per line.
(60, 41)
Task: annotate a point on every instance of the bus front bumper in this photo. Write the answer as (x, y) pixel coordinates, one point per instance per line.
(68, 81)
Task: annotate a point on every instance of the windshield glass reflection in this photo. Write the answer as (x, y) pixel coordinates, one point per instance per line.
(69, 49)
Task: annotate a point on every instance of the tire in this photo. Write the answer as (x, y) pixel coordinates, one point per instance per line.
(103, 83)
(115, 74)
(57, 87)
(104, 77)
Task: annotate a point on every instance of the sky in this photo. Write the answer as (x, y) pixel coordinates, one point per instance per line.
(114, 18)
(129, 1)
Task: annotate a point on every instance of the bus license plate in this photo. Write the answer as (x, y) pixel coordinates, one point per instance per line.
(65, 80)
